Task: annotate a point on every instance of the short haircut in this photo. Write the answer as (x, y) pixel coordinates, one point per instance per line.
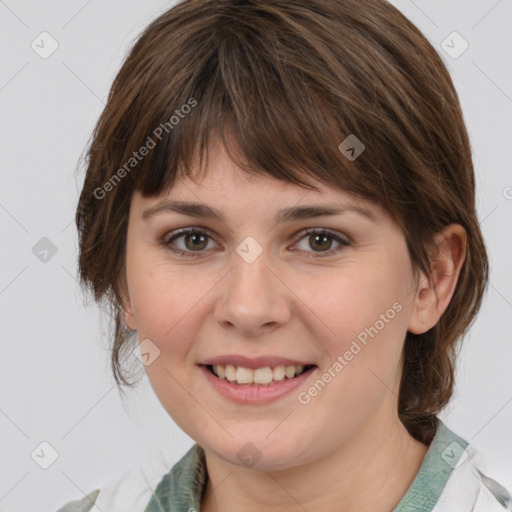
(290, 80)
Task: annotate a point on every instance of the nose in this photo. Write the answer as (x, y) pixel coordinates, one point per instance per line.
(252, 298)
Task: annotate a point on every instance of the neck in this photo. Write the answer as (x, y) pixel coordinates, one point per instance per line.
(371, 473)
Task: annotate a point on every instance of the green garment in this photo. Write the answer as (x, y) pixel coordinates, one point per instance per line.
(180, 490)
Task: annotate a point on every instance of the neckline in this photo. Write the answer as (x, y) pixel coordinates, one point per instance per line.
(182, 488)
(441, 458)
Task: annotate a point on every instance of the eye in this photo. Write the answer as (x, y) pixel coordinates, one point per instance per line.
(319, 238)
(196, 240)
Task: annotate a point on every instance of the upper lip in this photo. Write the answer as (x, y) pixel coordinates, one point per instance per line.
(256, 362)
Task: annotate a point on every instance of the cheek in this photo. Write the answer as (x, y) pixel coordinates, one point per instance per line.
(166, 301)
(356, 299)
(363, 317)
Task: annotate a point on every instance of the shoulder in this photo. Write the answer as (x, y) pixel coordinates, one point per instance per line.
(83, 505)
(131, 492)
(471, 484)
(148, 485)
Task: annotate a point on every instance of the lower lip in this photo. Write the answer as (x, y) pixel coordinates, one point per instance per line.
(255, 394)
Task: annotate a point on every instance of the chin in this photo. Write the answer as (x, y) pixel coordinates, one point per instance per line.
(261, 452)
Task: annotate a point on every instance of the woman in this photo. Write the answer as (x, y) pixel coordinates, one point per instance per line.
(279, 205)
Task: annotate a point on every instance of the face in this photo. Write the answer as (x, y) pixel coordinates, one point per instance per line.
(255, 286)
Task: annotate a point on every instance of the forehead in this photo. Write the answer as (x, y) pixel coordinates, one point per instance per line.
(223, 185)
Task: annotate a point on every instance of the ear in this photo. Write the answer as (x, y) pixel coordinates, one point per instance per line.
(129, 317)
(433, 294)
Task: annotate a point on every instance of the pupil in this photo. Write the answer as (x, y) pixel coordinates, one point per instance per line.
(194, 237)
(322, 237)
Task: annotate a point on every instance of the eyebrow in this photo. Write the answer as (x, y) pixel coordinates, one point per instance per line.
(200, 210)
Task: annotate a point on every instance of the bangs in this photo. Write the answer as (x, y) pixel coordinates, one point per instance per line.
(251, 91)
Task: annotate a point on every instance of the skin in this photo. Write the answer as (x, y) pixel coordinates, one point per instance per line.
(335, 452)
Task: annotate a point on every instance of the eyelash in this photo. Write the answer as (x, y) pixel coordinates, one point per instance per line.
(192, 254)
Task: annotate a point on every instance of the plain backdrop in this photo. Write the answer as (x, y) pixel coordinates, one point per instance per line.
(55, 380)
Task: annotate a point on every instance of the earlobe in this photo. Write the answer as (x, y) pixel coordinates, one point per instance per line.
(129, 318)
(433, 294)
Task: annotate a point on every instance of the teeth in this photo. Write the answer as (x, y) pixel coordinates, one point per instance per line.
(244, 375)
(220, 370)
(278, 373)
(263, 376)
(230, 372)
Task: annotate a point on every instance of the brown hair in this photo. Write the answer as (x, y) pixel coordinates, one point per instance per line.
(290, 80)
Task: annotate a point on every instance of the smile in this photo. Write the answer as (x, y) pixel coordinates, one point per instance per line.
(244, 387)
(262, 376)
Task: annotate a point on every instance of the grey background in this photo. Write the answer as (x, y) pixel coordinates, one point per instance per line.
(55, 382)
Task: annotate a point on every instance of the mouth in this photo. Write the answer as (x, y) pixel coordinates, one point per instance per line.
(265, 376)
